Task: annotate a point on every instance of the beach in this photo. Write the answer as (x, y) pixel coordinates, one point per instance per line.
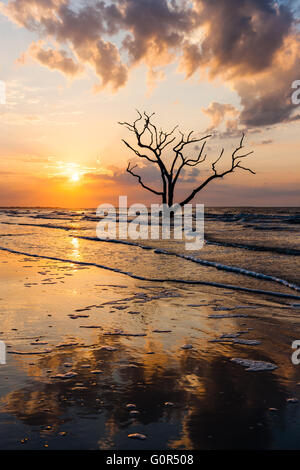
(116, 346)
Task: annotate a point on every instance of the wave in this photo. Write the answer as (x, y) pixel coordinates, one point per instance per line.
(257, 218)
(208, 240)
(58, 227)
(244, 246)
(50, 217)
(212, 264)
(14, 234)
(160, 280)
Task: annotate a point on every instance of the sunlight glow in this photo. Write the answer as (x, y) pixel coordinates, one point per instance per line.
(75, 177)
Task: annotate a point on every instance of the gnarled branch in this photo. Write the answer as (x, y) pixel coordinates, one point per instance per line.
(170, 170)
(129, 170)
(235, 163)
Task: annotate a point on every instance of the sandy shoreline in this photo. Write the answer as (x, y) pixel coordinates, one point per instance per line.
(83, 344)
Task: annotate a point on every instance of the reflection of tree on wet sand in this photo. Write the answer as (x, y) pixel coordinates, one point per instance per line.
(214, 404)
(232, 410)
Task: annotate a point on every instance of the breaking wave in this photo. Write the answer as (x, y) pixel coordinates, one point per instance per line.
(160, 280)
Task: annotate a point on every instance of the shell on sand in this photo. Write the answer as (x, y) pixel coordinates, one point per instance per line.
(130, 406)
(137, 435)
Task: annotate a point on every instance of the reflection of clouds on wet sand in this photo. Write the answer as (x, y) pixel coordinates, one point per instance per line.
(83, 343)
(210, 401)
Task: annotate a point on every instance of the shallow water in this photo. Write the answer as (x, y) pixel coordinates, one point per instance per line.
(59, 315)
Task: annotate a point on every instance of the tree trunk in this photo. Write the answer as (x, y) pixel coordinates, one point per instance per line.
(170, 194)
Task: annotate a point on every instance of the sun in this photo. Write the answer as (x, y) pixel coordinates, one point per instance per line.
(75, 177)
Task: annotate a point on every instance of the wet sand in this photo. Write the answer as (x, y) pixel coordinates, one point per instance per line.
(94, 356)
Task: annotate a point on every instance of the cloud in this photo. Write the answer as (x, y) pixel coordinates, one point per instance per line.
(217, 112)
(156, 28)
(149, 173)
(253, 45)
(80, 32)
(30, 13)
(105, 59)
(152, 31)
(241, 36)
(225, 120)
(266, 98)
(53, 59)
(266, 142)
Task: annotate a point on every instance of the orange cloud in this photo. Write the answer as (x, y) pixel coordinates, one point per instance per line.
(217, 113)
(53, 59)
(253, 45)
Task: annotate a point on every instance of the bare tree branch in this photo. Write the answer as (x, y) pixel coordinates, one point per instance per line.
(152, 130)
(129, 170)
(138, 153)
(149, 138)
(185, 161)
(235, 163)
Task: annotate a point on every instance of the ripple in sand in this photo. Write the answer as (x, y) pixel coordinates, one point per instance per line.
(254, 366)
(232, 338)
(29, 353)
(38, 343)
(74, 317)
(90, 326)
(230, 335)
(229, 315)
(162, 331)
(122, 333)
(68, 375)
(67, 345)
(249, 342)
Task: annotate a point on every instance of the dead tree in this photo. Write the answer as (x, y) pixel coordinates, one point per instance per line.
(151, 143)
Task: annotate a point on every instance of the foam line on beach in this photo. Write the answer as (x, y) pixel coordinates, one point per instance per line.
(260, 248)
(244, 272)
(209, 241)
(59, 227)
(212, 264)
(142, 278)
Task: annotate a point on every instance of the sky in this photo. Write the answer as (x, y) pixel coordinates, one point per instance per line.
(74, 69)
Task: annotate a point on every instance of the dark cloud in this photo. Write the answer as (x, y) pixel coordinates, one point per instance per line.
(267, 98)
(150, 175)
(155, 26)
(252, 44)
(153, 29)
(242, 36)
